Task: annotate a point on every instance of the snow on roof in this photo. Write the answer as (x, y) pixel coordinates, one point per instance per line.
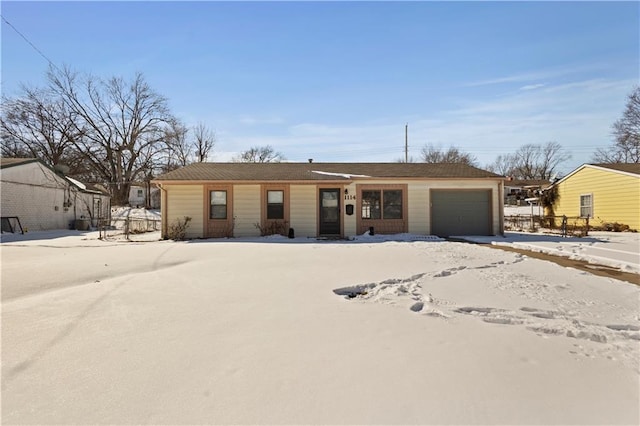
(77, 183)
(344, 175)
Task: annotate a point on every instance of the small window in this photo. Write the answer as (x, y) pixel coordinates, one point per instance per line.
(275, 204)
(392, 204)
(140, 194)
(586, 205)
(218, 205)
(371, 204)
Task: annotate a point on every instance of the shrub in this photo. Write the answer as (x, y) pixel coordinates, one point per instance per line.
(615, 227)
(178, 229)
(273, 228)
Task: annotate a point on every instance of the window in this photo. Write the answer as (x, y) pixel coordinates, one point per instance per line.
(386, 204)
(218, 205)
(140, 194)
(275, 204)
(586, 205)
(371, 204)
(392, 201)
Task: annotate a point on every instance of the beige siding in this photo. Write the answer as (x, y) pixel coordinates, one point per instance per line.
(246, 210)
(616, 196)
(186, 200)
(418, 210)
(350, 222)
(303, 210)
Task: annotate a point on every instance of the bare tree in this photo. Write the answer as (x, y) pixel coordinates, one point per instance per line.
(260, 154)
(186, 146)
(626, 131)
(503, 165)
(433, 154)
(124, 124)
(40, 125)
(531, 161)
(180, 149)
(551, 156)
(204, 140)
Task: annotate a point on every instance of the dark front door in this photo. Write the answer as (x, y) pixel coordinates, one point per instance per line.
(329, 212)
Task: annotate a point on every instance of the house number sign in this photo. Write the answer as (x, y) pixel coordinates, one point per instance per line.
(349, 197)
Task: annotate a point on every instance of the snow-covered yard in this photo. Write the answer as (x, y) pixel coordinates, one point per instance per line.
(412, 331)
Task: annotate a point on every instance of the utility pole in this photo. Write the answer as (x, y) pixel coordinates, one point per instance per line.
(406, 143)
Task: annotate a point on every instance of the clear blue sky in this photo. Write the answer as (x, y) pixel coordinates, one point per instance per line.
(337, 81)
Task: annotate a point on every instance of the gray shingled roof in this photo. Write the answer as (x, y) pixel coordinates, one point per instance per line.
(622, 167)
(319, 171)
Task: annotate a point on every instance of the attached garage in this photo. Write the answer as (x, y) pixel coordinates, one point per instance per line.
(461, 212)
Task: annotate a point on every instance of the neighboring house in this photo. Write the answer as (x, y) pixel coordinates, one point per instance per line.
(139, 193)
(42, 198)
(516, 191)
(332, 199)
(606, 193)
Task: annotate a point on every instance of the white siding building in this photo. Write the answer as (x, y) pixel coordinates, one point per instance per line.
(34, 196)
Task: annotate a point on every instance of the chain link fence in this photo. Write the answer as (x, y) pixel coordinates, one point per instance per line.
(562, 225)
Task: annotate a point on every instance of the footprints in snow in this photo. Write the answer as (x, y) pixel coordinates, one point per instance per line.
(543, 322)
(451, 271)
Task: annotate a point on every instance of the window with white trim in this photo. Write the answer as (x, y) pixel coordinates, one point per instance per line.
(586, 205)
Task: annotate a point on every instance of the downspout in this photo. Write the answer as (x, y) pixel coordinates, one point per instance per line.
(163, 211)
(501, 210)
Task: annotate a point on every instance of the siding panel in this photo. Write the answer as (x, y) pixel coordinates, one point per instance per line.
(38, 197)
(186, 200)
(246, 210)
(418, 211)
(303, 210)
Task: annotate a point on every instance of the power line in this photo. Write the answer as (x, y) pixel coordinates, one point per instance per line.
(30, 43)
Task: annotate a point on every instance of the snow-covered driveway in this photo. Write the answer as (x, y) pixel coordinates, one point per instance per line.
(614, 249)
(210, 332)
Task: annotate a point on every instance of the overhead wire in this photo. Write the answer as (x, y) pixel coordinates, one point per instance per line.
(29, 42)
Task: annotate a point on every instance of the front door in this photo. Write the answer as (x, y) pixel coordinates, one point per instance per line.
(329, 212)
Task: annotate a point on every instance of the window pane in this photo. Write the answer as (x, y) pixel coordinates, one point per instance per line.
(586, 206)
(275, 211)
(219, 198)
(218, 212)
(371, 204)
(392, 204)
(275, 197)
(218, 205)
(329, 199)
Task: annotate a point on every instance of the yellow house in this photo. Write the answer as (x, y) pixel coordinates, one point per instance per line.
(331, 199)
(606, 193)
